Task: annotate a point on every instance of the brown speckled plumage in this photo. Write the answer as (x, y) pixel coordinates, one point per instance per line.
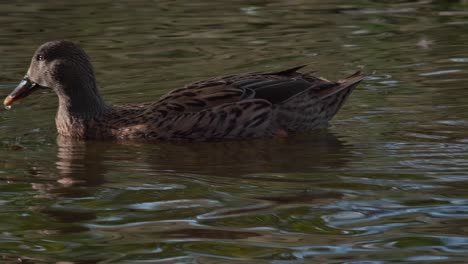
(252, 105)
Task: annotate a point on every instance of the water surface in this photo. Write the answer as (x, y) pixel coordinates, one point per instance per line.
(385, 183)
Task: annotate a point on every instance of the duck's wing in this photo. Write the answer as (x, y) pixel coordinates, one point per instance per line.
(196, 99)
(273, 87)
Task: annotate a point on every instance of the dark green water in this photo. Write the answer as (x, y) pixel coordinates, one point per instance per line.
(387, 182)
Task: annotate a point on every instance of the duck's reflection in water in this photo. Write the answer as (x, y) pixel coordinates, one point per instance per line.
(80, 162)
(80, 170)
(84, 163)
(302, 153)
(84, 166)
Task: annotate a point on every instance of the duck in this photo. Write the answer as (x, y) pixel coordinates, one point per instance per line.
(239, 106)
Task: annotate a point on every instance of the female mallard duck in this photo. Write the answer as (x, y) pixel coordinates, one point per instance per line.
(251, 105)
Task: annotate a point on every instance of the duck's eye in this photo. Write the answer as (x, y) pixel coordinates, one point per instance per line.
(39, 57)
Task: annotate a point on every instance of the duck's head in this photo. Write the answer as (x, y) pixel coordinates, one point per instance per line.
(59, 65)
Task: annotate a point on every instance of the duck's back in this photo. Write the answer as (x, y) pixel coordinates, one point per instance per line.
(250, 105)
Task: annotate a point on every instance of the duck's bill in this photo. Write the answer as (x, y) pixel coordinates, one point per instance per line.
(24, 88)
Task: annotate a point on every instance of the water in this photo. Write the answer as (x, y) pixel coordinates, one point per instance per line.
(385, 183)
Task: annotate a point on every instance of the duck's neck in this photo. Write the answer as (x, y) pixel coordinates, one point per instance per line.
(80, 105)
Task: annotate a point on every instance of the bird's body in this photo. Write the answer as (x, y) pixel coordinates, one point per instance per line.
(251, 105)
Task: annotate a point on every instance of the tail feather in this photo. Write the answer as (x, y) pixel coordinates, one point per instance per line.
(317, 105)
(358, 73)
(349, 82)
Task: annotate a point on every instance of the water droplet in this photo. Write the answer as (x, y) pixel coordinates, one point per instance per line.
(7, 107)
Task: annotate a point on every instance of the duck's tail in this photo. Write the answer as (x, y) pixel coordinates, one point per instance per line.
(347, 84)
(331, 100)
(317, 105)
